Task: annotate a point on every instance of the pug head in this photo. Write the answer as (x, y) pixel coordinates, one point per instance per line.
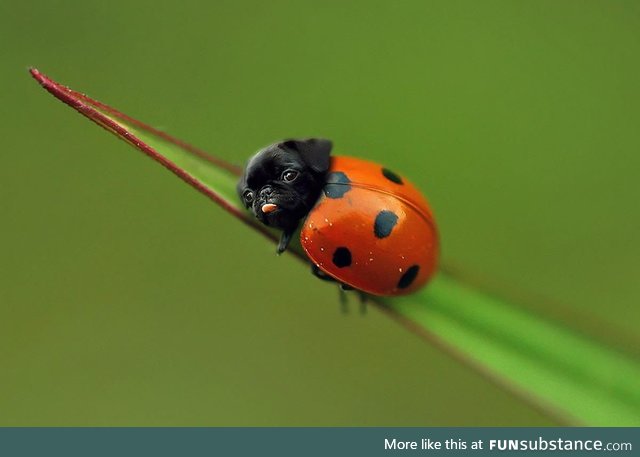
(282, 182)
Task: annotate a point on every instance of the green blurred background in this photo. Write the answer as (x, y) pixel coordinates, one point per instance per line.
(126, 298)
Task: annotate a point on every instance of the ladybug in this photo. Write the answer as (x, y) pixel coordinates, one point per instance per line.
(360, 223)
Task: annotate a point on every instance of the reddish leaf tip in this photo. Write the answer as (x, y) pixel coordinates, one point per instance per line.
(42, 79)
(37, 75)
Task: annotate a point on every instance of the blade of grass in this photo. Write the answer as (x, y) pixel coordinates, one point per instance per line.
(576, 380)
(582, 380)
(213, 177)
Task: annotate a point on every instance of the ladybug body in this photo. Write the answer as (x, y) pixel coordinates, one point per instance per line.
(371, 229)
(361, 224)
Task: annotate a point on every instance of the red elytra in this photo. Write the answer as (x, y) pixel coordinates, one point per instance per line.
(371, 229)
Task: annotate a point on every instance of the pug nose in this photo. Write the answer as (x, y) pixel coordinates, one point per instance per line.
(266, 192)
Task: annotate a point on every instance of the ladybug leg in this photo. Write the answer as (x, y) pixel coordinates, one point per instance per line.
(342, 295)
(363, 302)
(343, 300)
(342, 290)
(285, 238)
(318, 273)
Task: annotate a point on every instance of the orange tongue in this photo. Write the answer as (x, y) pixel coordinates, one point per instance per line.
(269, 207)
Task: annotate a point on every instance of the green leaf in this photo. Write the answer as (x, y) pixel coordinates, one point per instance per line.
(575, 379)
(580, 380)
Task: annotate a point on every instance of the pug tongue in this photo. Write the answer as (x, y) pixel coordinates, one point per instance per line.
(269, 208)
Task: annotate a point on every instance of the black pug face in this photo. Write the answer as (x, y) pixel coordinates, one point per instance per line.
(282, 182)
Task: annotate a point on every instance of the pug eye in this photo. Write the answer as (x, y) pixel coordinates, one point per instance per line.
(289, 175)
(248, 196)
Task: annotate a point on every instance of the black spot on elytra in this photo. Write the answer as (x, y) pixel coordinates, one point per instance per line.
(385, 222)
(337, 185)
(408, 277)
(391, 176)
(342, 257)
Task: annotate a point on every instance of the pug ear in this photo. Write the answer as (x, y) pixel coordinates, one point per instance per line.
(314, 151)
